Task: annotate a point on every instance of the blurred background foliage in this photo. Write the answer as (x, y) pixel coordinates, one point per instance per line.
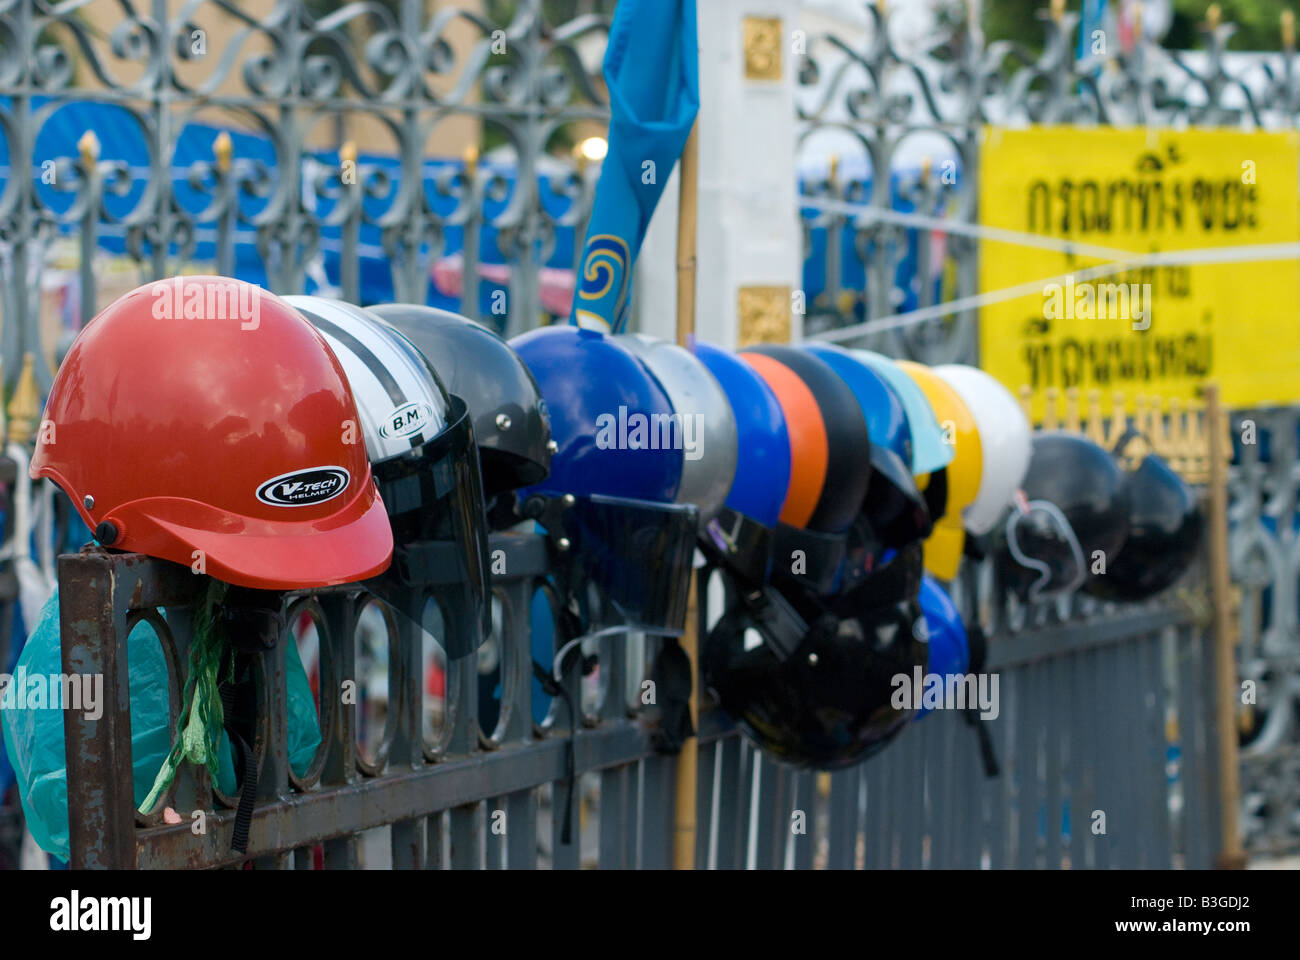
(1256, 20)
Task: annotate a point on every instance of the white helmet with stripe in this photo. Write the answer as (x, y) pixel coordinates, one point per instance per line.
(420, 441)
(400, 399)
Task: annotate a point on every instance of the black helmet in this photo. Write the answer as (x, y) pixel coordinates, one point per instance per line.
(895, 509)
(510, 421)
(1164, 532)
(821, 543)
(1074, 511)
(812, 683)
(421, 444)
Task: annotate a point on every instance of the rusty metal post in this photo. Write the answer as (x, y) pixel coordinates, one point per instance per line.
(99, 771)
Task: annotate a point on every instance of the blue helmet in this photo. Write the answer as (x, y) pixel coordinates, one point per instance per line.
(895, 510)
(763, 444)
(886, 419)
(949, 652)
(605, 410)
(929, 451)
(615, 471)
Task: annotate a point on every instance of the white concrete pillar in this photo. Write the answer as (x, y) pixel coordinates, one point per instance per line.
(750, 246)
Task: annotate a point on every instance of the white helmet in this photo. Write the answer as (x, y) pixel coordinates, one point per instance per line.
(400, 400)
(696, 395)
(1005, 438)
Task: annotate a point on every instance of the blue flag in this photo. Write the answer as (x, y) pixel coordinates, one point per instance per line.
(652, 71)
(1092, 20)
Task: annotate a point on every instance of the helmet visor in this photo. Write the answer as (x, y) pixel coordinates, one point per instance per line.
(638, 554)
(434, 497)
(897, 511)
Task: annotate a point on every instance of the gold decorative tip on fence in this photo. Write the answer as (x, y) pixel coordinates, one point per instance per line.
(1288, 29)
(25, 405)
(1072, 410)
(470, 158)
(1156, 431)
(1153, 429)
(1118, 422)
(1142, 422)
(1160, 433)
(833, 175)
(1177, 436)
(1027, 402)
(223, 148)
(1058, 10)
(1051, 412)
(926, 164)
(1212, 16)
(88, 147)
(1096, 428)
(348, 152)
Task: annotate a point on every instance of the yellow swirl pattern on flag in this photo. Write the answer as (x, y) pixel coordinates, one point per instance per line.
(604, 281)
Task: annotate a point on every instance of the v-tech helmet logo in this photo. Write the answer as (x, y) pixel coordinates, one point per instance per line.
(406, 420)
(304, 488)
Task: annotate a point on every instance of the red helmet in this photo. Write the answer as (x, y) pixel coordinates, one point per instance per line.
(202, 419)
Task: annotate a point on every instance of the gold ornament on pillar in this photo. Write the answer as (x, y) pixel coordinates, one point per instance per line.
(764, 315)
(762, 48)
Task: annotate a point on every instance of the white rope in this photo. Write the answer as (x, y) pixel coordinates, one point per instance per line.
(1255, 253)
(919, 221)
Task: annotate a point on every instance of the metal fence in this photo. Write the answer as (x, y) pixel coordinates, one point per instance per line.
(1087, 697)
(283, 73)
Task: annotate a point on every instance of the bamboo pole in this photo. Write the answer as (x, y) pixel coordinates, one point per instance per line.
(688, 759)
(1231, 854)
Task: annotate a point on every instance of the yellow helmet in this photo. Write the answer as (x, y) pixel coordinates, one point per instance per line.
(943, 549)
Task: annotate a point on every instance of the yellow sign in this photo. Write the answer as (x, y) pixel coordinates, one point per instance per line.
(1157, 329)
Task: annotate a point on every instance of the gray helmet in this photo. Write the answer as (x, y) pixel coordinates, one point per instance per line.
(708, 426)
(510, 421)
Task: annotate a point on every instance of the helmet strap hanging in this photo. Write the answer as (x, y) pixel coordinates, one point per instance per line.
(978, 645)
(1038, 589)
(252, 622)
(554, 686)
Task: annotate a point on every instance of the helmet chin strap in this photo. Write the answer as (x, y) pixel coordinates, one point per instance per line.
(1037, 589)
(557, 663)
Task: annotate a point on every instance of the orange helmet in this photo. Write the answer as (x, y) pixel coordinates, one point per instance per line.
(809, 451)
(204, 421)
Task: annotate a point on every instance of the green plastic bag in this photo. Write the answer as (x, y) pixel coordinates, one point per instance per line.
(34, 737)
